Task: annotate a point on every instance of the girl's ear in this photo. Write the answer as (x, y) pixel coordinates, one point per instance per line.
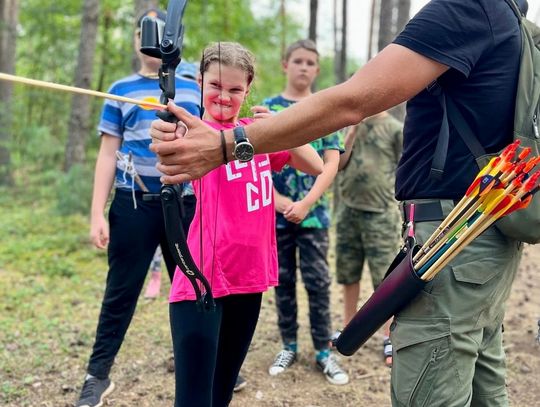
(199, 80)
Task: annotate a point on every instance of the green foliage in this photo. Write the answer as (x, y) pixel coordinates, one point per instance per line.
(36, 146)
(74, 191)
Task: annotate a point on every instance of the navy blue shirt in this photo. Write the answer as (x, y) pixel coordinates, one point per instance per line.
(480, 41)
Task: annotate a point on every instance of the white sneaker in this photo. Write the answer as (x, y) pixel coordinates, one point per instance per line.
(284, 359)
(332, 371)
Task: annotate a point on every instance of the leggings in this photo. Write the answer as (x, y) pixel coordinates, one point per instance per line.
(209, 348)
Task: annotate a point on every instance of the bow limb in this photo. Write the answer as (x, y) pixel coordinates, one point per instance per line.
(170, 52)
(172, 212)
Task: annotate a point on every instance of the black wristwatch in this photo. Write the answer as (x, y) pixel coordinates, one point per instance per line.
(243, 150)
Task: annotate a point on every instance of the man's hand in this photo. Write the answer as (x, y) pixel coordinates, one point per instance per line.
(185, 157)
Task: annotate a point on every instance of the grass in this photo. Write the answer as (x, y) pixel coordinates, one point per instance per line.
(48, 272)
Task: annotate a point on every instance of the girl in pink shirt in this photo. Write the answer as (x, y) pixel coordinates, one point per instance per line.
(233, 232)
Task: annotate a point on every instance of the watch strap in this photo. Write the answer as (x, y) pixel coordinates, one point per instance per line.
(239, 134)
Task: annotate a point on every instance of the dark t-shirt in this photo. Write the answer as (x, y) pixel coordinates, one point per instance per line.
(480, 41)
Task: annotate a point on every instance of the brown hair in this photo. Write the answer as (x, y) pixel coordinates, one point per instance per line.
(306, 44)
(230, 54)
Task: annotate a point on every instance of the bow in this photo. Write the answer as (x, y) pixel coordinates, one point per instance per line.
(169, 50)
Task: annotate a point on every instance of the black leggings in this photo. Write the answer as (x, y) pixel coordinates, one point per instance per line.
(209, 348)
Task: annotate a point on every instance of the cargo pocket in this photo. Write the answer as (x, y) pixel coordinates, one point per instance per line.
(476, 272)
(421, 353)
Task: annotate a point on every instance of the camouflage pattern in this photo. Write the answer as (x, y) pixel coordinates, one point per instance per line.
(361, 236)
(451, 334)
(295, 184)
(312, 246)
(367, 182)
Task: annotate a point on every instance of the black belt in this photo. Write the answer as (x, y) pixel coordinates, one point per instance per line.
(429, 211)
(145, 196)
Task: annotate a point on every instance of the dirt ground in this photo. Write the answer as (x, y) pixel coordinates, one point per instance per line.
(142, 377)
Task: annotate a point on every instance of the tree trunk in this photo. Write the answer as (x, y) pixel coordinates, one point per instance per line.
(386, 23)
(313, 7)
(283, 20)
(343, 51)
(403, 14)
(372, 19)
(9, 12)
(335, 31)
(79, 121)
(140, 7)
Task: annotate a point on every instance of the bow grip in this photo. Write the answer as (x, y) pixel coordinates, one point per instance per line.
(167, 116)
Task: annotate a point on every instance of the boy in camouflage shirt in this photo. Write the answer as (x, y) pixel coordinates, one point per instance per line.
(368, 219)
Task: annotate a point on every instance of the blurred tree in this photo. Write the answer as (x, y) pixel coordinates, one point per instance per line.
(403, 14)
(79, 121)
(372, 20)
(8, 39)
(340, 42)
(386, 23)
(313, 9)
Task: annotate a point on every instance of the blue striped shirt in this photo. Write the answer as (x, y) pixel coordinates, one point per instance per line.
(132, 123)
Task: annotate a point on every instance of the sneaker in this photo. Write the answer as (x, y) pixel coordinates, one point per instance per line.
(154, 285)
(332, 371)
(240, 383)
(284, 359)
(94, 392)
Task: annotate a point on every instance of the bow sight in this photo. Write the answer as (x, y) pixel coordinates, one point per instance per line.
(167, 47)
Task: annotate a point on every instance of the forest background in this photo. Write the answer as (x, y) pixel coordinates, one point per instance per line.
(51, 279)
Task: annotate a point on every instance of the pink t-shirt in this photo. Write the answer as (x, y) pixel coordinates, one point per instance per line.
(238, 228)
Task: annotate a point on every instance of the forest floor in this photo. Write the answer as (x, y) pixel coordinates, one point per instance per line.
(47, 326)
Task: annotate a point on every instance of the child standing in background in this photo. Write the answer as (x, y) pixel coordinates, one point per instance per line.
(303, 220)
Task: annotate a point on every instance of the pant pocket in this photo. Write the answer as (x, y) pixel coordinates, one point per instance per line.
(421, 356)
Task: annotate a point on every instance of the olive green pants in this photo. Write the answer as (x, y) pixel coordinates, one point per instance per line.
(448, 341)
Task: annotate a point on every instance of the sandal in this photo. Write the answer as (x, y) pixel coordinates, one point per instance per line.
(387, 352)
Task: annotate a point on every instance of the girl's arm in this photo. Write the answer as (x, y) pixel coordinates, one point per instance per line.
(281, 202)
(298, 210)
(350, 138)
(306, 159)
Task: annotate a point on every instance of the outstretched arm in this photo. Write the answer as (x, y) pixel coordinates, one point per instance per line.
(395, 75)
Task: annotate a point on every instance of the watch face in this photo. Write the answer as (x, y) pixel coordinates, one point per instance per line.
(243, 151)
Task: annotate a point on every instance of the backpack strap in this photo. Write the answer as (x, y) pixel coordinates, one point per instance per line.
(451, 114)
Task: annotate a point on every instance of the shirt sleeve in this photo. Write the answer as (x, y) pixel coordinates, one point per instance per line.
(111, 116)
(333, 142)
(454, 33)
(279, 160)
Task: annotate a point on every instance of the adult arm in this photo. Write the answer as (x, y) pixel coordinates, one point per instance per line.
(103, 180)
(395, 75)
